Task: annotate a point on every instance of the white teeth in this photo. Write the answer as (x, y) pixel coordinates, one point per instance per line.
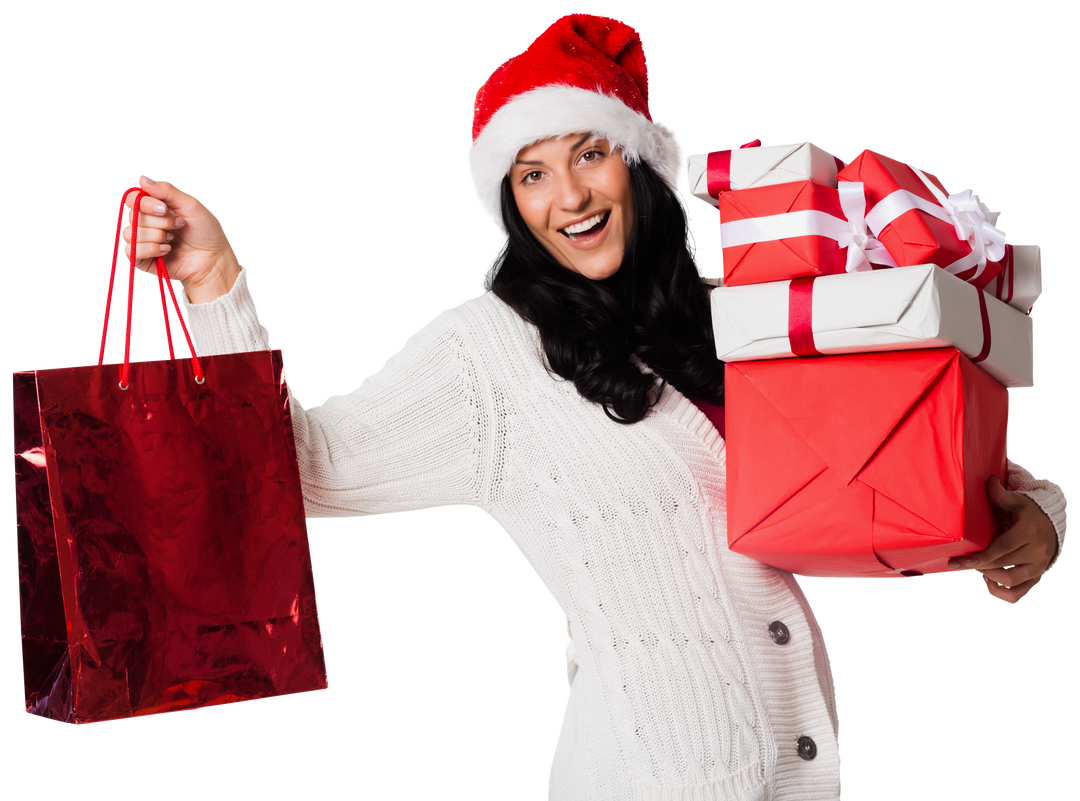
(585, 225)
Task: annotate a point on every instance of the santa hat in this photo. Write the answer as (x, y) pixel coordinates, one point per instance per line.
(584, 74)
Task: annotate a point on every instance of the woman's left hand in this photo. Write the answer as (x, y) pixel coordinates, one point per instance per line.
(1017, 559)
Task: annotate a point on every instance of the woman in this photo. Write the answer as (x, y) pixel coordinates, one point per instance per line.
(558, 402)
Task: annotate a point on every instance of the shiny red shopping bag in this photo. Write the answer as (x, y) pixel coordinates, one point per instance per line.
(163, 553)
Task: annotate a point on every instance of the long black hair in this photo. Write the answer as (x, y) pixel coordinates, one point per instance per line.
(655, 307)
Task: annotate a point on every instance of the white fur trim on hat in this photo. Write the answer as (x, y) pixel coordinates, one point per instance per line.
(555, 111)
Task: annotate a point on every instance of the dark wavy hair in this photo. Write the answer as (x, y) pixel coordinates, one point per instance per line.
(655, 307)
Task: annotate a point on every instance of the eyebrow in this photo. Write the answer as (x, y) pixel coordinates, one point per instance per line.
(577, 144)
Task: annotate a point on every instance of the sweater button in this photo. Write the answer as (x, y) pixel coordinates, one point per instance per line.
(807, 748)
(779, 633)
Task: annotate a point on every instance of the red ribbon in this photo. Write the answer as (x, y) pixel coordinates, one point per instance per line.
(718, 169)
(800, 317)
(163, 281)
(1006, 267)
(985, 326)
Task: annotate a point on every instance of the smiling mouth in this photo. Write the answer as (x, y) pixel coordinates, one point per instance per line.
(586, 228)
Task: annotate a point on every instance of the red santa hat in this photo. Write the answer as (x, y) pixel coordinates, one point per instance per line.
(584, 74)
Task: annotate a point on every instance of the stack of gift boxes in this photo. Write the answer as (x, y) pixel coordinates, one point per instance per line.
(871, 323)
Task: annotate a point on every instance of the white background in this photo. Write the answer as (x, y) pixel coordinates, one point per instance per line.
(332, 148)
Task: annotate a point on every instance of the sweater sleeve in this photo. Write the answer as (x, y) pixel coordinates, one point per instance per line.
(1046, 494)
(413, 435)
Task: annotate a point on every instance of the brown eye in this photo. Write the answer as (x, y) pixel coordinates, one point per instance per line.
(532, 177)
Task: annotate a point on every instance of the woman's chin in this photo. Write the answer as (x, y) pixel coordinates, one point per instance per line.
(598, 268)
(600, 274)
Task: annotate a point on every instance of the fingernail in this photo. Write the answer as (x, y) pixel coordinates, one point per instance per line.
(971, 562)
(169, 236)
(954, 564)
(149, 180)
(179, 222)
(166, 248)
(160, 208)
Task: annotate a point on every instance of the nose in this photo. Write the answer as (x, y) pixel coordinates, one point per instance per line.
(573, 192)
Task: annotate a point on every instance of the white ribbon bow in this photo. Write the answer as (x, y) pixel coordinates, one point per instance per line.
(974, 223)
(863, 249)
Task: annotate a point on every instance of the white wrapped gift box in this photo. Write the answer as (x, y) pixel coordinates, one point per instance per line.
(904, 308)
(763, 166)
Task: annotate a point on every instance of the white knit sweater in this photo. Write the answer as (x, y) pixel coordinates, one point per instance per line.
(678, 690)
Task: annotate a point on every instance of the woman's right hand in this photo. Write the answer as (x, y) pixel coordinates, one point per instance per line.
(180, 229)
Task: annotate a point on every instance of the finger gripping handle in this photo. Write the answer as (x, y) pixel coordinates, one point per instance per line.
(163, 281)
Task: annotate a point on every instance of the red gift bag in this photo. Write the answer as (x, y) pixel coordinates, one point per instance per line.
(163, 553)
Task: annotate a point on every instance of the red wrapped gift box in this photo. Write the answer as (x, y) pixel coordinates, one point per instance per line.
(773, 233)
(915, 218)
(868, 464)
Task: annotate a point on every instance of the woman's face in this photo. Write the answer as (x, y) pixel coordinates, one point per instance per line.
(574, 195)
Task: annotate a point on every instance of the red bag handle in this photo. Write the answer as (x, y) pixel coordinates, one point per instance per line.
(163, 281)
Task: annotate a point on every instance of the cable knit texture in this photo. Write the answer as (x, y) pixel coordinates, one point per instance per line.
(678, 693)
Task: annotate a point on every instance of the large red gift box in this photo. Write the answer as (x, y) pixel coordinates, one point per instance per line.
(869, 464)
(773, 233)
(917, 221)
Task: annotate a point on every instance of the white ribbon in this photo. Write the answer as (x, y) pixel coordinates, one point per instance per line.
(781, 226)
(863, 250)
(974, 224)
(970, 218)
(972, 221)
(901, 202)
